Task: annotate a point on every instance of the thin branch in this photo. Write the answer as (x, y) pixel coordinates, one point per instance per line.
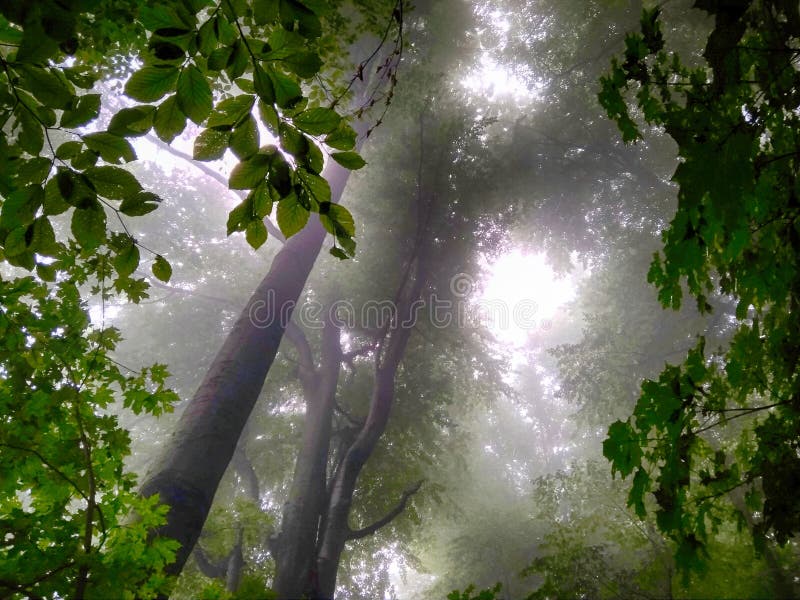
(388, 518)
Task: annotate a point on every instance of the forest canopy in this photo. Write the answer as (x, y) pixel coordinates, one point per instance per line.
(189, 414)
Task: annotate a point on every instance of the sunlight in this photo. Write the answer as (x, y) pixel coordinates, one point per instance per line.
(522, 294)
(494, 80)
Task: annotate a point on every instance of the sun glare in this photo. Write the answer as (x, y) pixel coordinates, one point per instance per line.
(522, 294)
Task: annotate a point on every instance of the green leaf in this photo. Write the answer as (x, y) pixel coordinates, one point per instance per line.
(622, 448)
(87, 109)
(211, 144)
(162, 269)
(265, 12)
(292, 141)
(317, 121)
(337, 220)
(132, 122)
(256, 233)
(169, 121)
(249, 173)
(349, 160)
(261, 200)
(338, 253)
(113, 182)
(43, 238)
(292, 216)
(31, 135)
(16, 242)
(194, 94)
(315, 185)
(219, 58)
(269, 116)
(287, 90)
(245, 138)
(89, 225)
(111, 148)
(140, 204)
(304, 64)
(54, 203)
(152, 83)
(231, 112)
(343, 138)
(68, 150)
(161, 16)
(263, 85)
(240, 216)
(48, 88)
(127, 260)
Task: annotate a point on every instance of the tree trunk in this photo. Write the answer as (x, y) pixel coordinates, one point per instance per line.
(296, 545)
(193, 462)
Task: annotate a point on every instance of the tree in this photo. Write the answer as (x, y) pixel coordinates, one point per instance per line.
(726, 420)
(191, 48)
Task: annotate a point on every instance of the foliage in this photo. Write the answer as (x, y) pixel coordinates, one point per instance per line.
(467, 594)
(66, 498)
(735, 233)
(67, 503)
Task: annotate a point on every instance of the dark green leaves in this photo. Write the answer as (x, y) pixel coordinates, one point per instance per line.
(111, 148)
(194, 94)
(349, 160)
(113, 182)
(622, 448)
(151, 83)
(88, 224)
(211, 144)
(162, 269)
(132, 122)
(169, 121)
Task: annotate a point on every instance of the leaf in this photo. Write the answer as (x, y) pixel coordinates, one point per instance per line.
(244, 139)
(261, 200)
(194, 94)
(219, 58)
(31, 135)
(249, 173)
(265, 12)
(349, 160)
(211, 144)
(315, 185)
(338, 253)
(160, 16)
(16, 242)
(337, 220)
(169, 121)
(263, 85)
(132, 122)
(287, 90)
(343, 138)
(230, 112)
(292, 141)
(68, 150)
(140, 204)
(269, 117)
(151, 83)
(256, 233)
(292, 216)
(113, 182)
(304, 64)
(162, 269)
(622, 448)
(87, 109)
(317, 121)
(89, 225)
(111, 148)
(54, 203)
(240, 216)
(127, 260)
(48, 88)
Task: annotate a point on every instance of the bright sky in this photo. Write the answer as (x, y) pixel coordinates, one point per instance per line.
(521, 294)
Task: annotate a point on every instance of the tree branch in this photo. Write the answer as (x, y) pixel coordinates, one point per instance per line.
(388, 517)
(208, 568)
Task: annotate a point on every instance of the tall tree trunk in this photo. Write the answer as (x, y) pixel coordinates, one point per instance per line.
(295, 547)
(336, 530)
(193, 462)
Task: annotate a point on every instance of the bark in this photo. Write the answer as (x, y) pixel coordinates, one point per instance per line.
(295, 547)
(194, 460)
